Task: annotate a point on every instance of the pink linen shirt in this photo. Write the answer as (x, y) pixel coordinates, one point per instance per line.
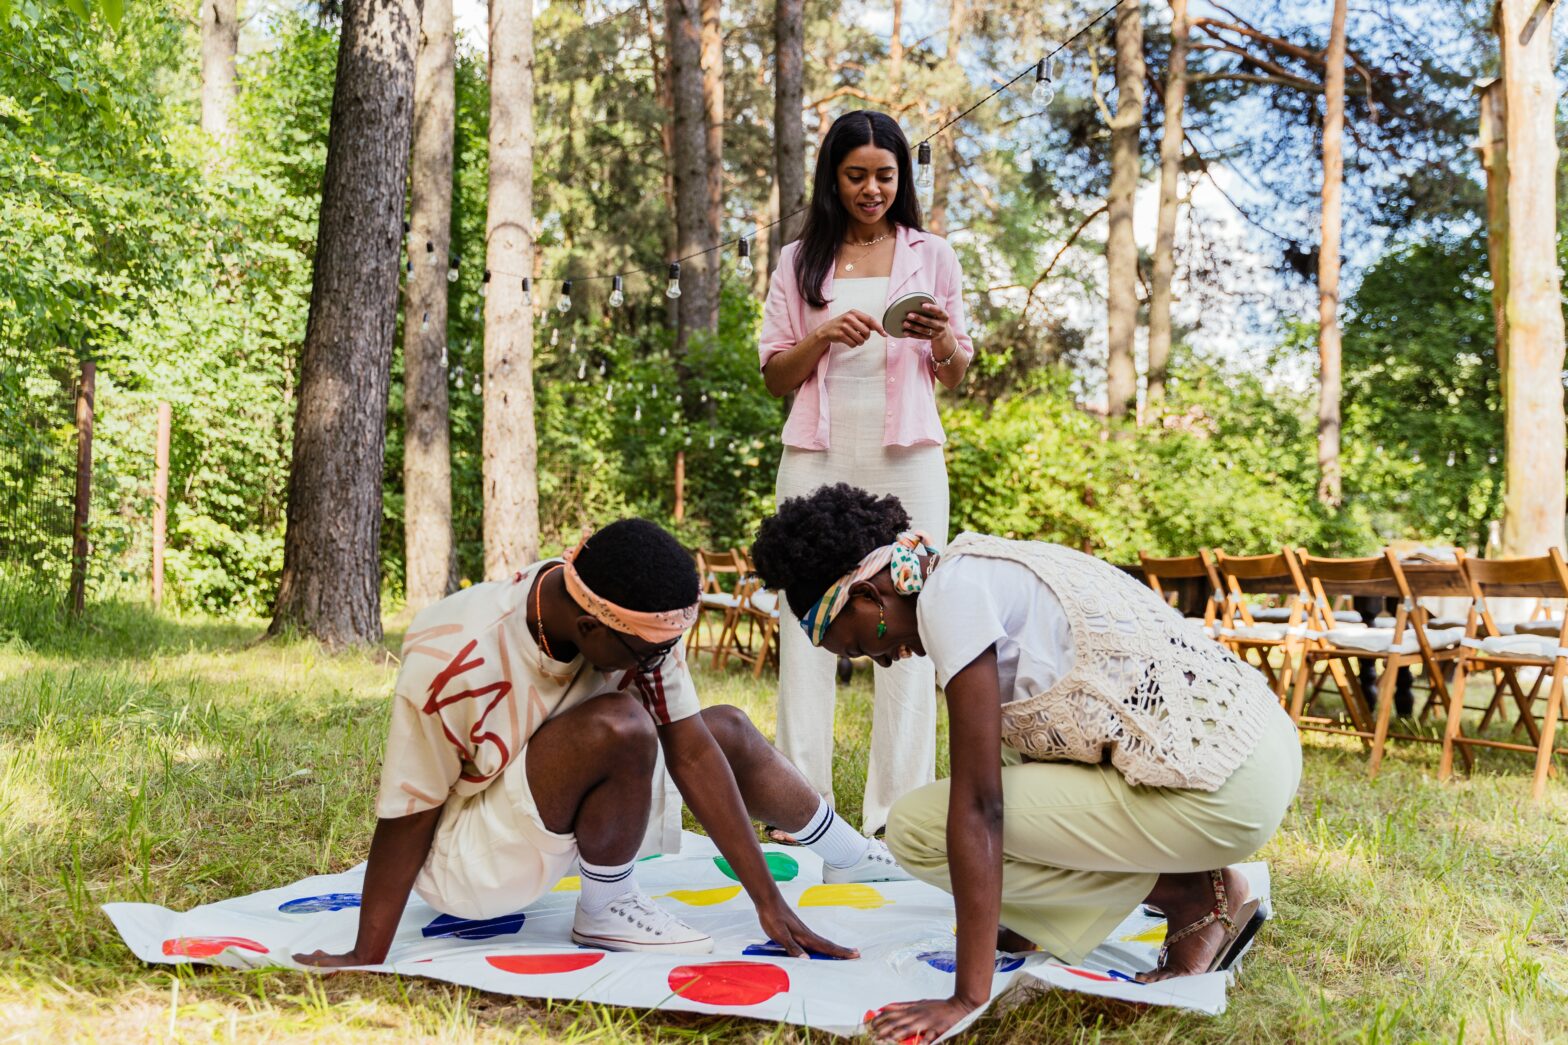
(921, 261)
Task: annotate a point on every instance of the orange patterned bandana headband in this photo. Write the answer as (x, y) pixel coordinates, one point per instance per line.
(655, 626)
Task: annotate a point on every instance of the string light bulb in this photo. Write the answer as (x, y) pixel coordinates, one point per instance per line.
(484, 285)
(563, 304)
(617, 294)
(424, 323)
(528, 292)
(923, 157)
(673, 290)
(409, 267)
(451, 269)
(582, 370)
(744, 265)
(637, 414)
(1044, 86)
(555, 336)
(430, 254)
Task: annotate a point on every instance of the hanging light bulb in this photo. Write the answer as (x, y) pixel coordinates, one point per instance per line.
(661, 429)
(405, 226)
(704, 397)
(563, 304)
(555, 336)
(574, 344)
(637, 414)
(582, 370)
(1044, 86)
(528, 293)
(674, 289)
(1491, 458)
(409, 268)
(1450, 458)
(430, 254)
(601, 368)
(617, 295)
(451, 269)
(655, 391)
(484, 285)
(478, 388)
(744, 265)
(609, 392)
(424, 323)
(710, 441)
(923, 157)
(443, 357)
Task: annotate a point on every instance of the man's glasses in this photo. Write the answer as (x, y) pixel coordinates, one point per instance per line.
(647, 663)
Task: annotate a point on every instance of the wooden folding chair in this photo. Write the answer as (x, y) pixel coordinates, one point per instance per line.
(1543, 576)
(759, 616)
(1334, 644)
(723, 576)
(1172, 578)
(1275, 575)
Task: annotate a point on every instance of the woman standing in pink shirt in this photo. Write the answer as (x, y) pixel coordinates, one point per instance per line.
(864, 413)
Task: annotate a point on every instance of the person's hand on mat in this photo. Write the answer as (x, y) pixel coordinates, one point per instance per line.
(917, 1021)
(852, 328)
(927, 323)
(785, 928)
(323, 960)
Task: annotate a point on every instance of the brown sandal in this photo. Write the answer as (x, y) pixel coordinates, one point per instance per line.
(779, 836)
(1239, 929)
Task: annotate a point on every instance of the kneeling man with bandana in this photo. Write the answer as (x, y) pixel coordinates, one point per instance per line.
(532, 726)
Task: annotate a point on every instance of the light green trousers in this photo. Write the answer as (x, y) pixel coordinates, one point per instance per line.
(1081, 847)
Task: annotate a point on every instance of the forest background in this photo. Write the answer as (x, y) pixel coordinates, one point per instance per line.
(188, 280)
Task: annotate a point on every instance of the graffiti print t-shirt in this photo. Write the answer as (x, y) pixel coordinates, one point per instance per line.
(474, 687)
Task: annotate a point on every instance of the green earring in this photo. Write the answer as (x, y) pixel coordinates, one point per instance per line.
(881, 623)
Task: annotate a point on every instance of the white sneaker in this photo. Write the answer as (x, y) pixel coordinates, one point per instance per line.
(633, 922)
(877, 865)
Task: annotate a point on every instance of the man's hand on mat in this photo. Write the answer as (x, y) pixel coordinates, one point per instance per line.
(785, 928)
(323, 960)
(917, 1021)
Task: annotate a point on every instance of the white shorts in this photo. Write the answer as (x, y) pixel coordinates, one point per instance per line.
(492, 854)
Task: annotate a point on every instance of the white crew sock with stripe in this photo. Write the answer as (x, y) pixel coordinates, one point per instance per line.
(603, 883)
(837, 843)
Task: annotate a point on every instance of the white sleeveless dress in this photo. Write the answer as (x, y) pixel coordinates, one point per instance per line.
(903, 731)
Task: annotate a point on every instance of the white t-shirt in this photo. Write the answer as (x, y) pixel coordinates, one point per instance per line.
(474, 687)
(970, 603)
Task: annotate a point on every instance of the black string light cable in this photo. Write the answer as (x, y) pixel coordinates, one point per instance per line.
(1042, 71)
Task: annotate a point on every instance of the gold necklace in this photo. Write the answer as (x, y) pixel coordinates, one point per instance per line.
(544, 641)
(868, 244)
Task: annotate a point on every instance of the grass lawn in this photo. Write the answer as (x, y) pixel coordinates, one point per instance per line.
(168, 761)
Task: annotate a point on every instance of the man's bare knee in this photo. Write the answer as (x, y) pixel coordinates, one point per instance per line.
(732, 728)
(625, 728)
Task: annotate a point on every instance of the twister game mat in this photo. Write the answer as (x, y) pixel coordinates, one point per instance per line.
(904, 931)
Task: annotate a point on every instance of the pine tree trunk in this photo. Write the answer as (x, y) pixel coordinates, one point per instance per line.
(1534, 487)
(331, 584)
(1121, 250)
(944, 157)
(1493, 144)
(511, 486)
(789, 122)
(427, 463)
(220, 42)
(1160, 295)
(895, 49)
(713, 106)
(1328, 261)
(698, 305)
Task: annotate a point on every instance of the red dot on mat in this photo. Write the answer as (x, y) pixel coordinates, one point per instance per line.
(729, 983)
(1088, 975)
(542, 964)
(207, 946)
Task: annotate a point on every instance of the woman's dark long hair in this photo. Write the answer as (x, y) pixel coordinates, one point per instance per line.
(826, 218)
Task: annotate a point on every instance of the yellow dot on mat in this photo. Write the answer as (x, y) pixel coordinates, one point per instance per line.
(705, 897)
(852, 894)
(1153, 934)
(570, 884)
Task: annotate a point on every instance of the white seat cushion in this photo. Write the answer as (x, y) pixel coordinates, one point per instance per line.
(1542, 646)
(1534, 627)
(765, 601)
(1269, 632)
(1208, 629)
(720, 602)
(1381, 640)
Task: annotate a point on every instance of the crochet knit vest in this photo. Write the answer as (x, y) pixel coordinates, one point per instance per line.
(1165, 703)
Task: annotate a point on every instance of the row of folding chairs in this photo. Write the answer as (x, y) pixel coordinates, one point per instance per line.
(745, 614)
(1308, 639)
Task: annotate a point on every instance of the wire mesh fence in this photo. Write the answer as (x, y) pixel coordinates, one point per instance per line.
(37, 487)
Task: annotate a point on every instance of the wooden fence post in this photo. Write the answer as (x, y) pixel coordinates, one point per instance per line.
(160, 501)
(84, 487)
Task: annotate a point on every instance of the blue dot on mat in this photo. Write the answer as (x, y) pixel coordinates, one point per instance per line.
(947, 961)
(317, 904)
(473, 929)
(769, 949)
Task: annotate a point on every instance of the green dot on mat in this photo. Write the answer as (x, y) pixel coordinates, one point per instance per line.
(653, 856)
(781, 866)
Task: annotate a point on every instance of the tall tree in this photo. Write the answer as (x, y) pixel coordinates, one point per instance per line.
(699, 301)
(1534, 487)
(511, 452)
(944, 150)
(1328, 261)
(1165, 235)
(713, 106)
(789, 123)
(331, 583)
(220, 42)
(427, 461)
(1121, 250)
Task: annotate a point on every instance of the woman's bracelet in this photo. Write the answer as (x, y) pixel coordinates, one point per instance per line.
(939, 364)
